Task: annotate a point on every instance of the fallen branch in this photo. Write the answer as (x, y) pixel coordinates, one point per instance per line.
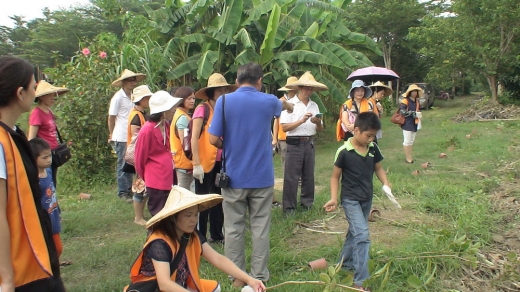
(312, 283)
(491, 120)
(327, 232)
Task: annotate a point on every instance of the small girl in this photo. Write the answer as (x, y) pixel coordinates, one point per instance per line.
(42, 153)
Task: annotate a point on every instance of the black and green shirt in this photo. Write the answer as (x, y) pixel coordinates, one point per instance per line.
(357, 170)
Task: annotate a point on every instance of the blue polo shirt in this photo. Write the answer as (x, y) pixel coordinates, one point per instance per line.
(247, 142)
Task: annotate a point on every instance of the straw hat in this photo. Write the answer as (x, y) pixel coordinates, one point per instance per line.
(215, 80)
(180, 199)
(162, 101)
(412, 88)
(357, 84)
(45, 88)
(290, 81)
(128, 74)
(140, 92)
(308, 80)
(388, 90)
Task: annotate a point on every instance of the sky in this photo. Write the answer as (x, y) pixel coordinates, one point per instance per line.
(32, 8)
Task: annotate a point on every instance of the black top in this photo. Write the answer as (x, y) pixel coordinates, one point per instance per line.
(136, 121)
(357, 171)
(408, 111)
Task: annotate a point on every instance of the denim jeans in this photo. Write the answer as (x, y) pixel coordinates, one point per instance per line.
(124, 180)
(357, 243)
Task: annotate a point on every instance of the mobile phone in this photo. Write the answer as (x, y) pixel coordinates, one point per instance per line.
(318, 115)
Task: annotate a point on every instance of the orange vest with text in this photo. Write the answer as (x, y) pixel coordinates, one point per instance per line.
(29, 254)
(207, 152)
(365, 106)
(131, 116)
(193, 252)
(181, 161)
(417, 107)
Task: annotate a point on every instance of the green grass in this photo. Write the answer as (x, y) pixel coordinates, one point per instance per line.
(446, 211)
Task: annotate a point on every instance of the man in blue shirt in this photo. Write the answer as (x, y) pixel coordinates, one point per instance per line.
(245, 137)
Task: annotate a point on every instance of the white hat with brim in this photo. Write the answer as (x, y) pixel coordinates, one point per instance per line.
(214, 81)
(379, 84)
(140, 92)
(162, 101)
(181, 199)
(357, 84)
(412, 88)
(128, 74)
(307, 80)
(45, 88)
(290, 81)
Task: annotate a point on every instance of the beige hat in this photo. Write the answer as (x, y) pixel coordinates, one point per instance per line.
(162, 101)
(215, 80)
(181, 199)
(140, 92)
(388, 90)
(412, 88)
(290, 81)
(128, 74)
(45, 88)
(308, 80)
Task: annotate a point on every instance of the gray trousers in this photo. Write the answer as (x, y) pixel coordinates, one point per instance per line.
(282, 148)
(184, 179)
(299, 162)
(236, 203)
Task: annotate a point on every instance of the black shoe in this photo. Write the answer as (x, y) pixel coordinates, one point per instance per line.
(306, 208)
(409, 162)
(289, 212)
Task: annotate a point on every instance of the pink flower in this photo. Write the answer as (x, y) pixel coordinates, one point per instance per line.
(85, 51)
(103, 55)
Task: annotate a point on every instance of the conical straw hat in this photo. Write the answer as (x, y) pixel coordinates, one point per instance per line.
(308, 80)
(45, 88)
(388, 90)
(412, 88)
(180, 199)
(215, 80)
(290, 81)
(128, 74)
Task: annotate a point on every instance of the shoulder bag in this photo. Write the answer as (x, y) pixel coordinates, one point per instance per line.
(221, 179)
(153, 285)
(61, 154)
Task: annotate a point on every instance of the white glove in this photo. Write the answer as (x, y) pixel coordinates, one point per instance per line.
(388, 192)
(198, 173)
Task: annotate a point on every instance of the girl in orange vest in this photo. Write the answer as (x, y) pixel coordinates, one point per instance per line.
(28, 257)
(410, 109)
(379, 91)
(206, 157)
(175, 223)
(181, 119)
(136, 119)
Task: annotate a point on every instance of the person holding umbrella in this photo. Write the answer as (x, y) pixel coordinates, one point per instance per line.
(379, 90)
(356, 104)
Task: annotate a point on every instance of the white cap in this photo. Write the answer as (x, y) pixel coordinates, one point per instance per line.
(162, 101)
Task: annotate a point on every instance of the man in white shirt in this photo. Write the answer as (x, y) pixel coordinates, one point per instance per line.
(301, 125)
(120, 107)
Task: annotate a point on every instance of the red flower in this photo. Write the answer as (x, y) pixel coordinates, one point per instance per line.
(85, 51)
(103, 55)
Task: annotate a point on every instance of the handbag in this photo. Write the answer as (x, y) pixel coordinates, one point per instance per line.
(153, 285)
(60, 154)
(130, 151)
(397, 118)
(221, 179)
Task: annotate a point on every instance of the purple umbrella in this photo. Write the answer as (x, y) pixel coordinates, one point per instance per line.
(373, 74)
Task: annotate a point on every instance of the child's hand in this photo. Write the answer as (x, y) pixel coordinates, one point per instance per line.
(330, 205)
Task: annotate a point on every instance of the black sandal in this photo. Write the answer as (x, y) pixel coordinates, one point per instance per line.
(409, 162)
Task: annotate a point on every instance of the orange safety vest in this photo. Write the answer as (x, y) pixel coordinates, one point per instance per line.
(417, 107)
(207, 152)
(29, 252)
(131, 116)
(282, 136)
(180, 160)
(193, 252)
(365, 106)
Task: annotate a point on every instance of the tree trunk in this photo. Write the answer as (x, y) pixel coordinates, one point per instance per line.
(492, 81)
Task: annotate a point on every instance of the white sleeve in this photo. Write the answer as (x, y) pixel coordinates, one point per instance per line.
(3, 167)
(114, 105)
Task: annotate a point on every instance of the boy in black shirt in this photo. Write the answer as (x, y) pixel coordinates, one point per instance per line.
(355, 163)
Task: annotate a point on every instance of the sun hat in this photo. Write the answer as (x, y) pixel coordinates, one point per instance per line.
(128, 74)
(181, 199)
(412, 88)
(289, 81)
(215, 80)
(140, 92)
(162, 101)
(307, 80)
(388, 90)
(360, 83)
(45, 88)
